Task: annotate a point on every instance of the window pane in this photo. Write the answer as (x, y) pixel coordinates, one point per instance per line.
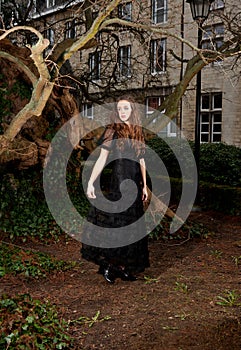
(219, 43)
(207, 33)
(160, 3)
(153, 55)
(154, 102)
(205, 117)
(213, 36)
(219, 29)
(217, 4)
(160, 56)
(124, 60)
(205, 102)
(94, 63)
(204, 138)
(205, 128)
(217, 118)
(173, 126)
(217, 101)
(216, 137)
(40, 5)
(70, 30)
(160, 16)
(50, 3)
(207, 45)
(88, 110)
(159, 11)
(217, 128)
(124, 11)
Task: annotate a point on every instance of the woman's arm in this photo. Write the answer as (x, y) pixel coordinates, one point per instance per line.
(98, 167)
(143, 173)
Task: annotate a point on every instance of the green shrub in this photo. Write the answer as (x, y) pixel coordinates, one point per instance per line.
(167, 149)
(23, 210)
(220, 164)
(219, 176)
(221, 198)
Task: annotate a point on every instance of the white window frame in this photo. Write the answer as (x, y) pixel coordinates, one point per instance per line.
(125, 11)
(168, 130)
(95, 65)
(213, 34)
(70, 30)
(124, 67)
(154, 62)
(50, 36)
(36, 9)
(88, 110)
(49, 7)
(156, 8)
(211, 112)
(50, 3)
(217, 4)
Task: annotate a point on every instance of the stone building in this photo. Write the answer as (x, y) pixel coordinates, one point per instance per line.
(220, 84)
(146, 65)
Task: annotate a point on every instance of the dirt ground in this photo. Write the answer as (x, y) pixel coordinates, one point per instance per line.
(172, 305)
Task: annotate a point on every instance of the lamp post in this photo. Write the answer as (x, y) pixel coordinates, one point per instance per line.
(200, 11)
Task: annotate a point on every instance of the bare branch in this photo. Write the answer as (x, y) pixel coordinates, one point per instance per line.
(21, 65)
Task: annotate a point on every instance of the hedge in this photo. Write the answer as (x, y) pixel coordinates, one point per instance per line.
(219, 176)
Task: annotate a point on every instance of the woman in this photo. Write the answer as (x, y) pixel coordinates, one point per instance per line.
(124, 139)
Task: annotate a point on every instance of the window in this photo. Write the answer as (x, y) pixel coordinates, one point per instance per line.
(95, 65)
(159, 11)
(158, 56)
(213, 37)
(50, 3)
(88, 110)
(50, 36)
(70, 31)
(125, 11)
(211, 117)
(124, 60)
(152, 104)
(39, 5)
(217, 4)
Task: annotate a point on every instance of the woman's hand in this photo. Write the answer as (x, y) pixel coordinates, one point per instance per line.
(144, 194)
(90, 191)
(97, 169)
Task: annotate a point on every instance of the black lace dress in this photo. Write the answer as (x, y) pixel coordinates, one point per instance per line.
(125, 165)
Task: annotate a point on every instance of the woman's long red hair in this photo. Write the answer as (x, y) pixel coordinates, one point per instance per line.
(132, 131)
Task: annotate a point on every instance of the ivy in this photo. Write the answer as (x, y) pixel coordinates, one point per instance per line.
(31, 324)
(23, 210)
(14, 260)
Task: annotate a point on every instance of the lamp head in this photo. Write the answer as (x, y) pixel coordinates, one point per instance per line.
(200, 9)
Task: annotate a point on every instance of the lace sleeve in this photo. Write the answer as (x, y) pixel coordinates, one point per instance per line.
(106, 139)
(142, 150)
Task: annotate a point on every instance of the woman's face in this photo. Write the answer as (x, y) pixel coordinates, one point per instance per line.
(124, 110)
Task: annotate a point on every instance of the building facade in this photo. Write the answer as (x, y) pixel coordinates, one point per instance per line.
(220, 82)
(149, 65)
